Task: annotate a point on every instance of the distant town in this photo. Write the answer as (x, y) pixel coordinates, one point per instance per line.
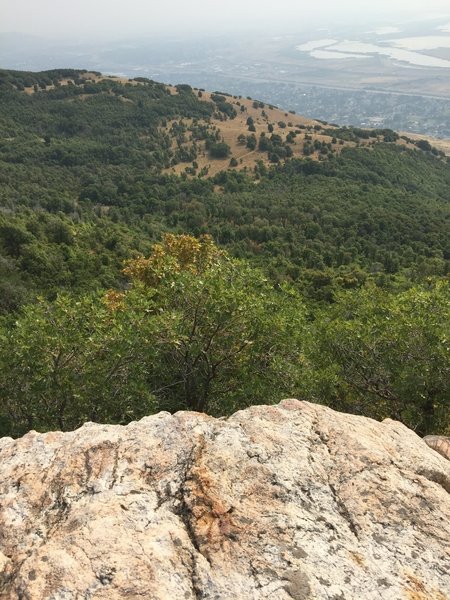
(396, 75)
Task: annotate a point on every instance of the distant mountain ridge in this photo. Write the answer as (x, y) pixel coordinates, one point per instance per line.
(238, 122)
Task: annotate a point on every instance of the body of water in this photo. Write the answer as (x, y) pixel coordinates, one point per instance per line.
(399, 49)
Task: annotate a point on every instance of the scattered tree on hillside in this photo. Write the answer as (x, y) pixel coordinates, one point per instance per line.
(219, 150)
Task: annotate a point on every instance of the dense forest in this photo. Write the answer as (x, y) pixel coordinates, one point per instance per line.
(126, 289)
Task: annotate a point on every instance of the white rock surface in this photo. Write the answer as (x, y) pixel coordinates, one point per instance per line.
(294, 501)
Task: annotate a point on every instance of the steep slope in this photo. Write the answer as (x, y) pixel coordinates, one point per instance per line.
(294, 501)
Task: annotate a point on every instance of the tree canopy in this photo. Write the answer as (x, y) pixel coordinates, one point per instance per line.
(327, 279)
(196, 330)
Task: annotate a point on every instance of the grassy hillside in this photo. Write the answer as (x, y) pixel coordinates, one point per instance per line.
(93, 169)
(329, 282)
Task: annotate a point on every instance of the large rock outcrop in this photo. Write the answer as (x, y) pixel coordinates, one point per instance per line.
(294, 501)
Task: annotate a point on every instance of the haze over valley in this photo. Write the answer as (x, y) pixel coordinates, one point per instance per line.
(385, 70)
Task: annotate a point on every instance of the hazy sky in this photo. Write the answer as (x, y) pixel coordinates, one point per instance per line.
(106, 18)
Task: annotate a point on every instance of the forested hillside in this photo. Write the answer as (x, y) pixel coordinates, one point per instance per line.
(325, 276)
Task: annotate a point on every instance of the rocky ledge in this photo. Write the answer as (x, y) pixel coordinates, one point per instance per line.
(294, 501)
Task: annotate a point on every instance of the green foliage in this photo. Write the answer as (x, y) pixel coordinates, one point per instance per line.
(94, 160)
(386, 354)
(224, 106)
(70, 361)
(18, 80)
(361, 235)
(219, 150)
(251, 124)
(203, 332)
(354, 134)
(251, 141)
(263, 144)
(42, 253)
(99, 123)
(424, 145)
(228, 338)
(275, 147)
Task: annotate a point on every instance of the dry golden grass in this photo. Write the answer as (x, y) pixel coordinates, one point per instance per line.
(230, 129)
